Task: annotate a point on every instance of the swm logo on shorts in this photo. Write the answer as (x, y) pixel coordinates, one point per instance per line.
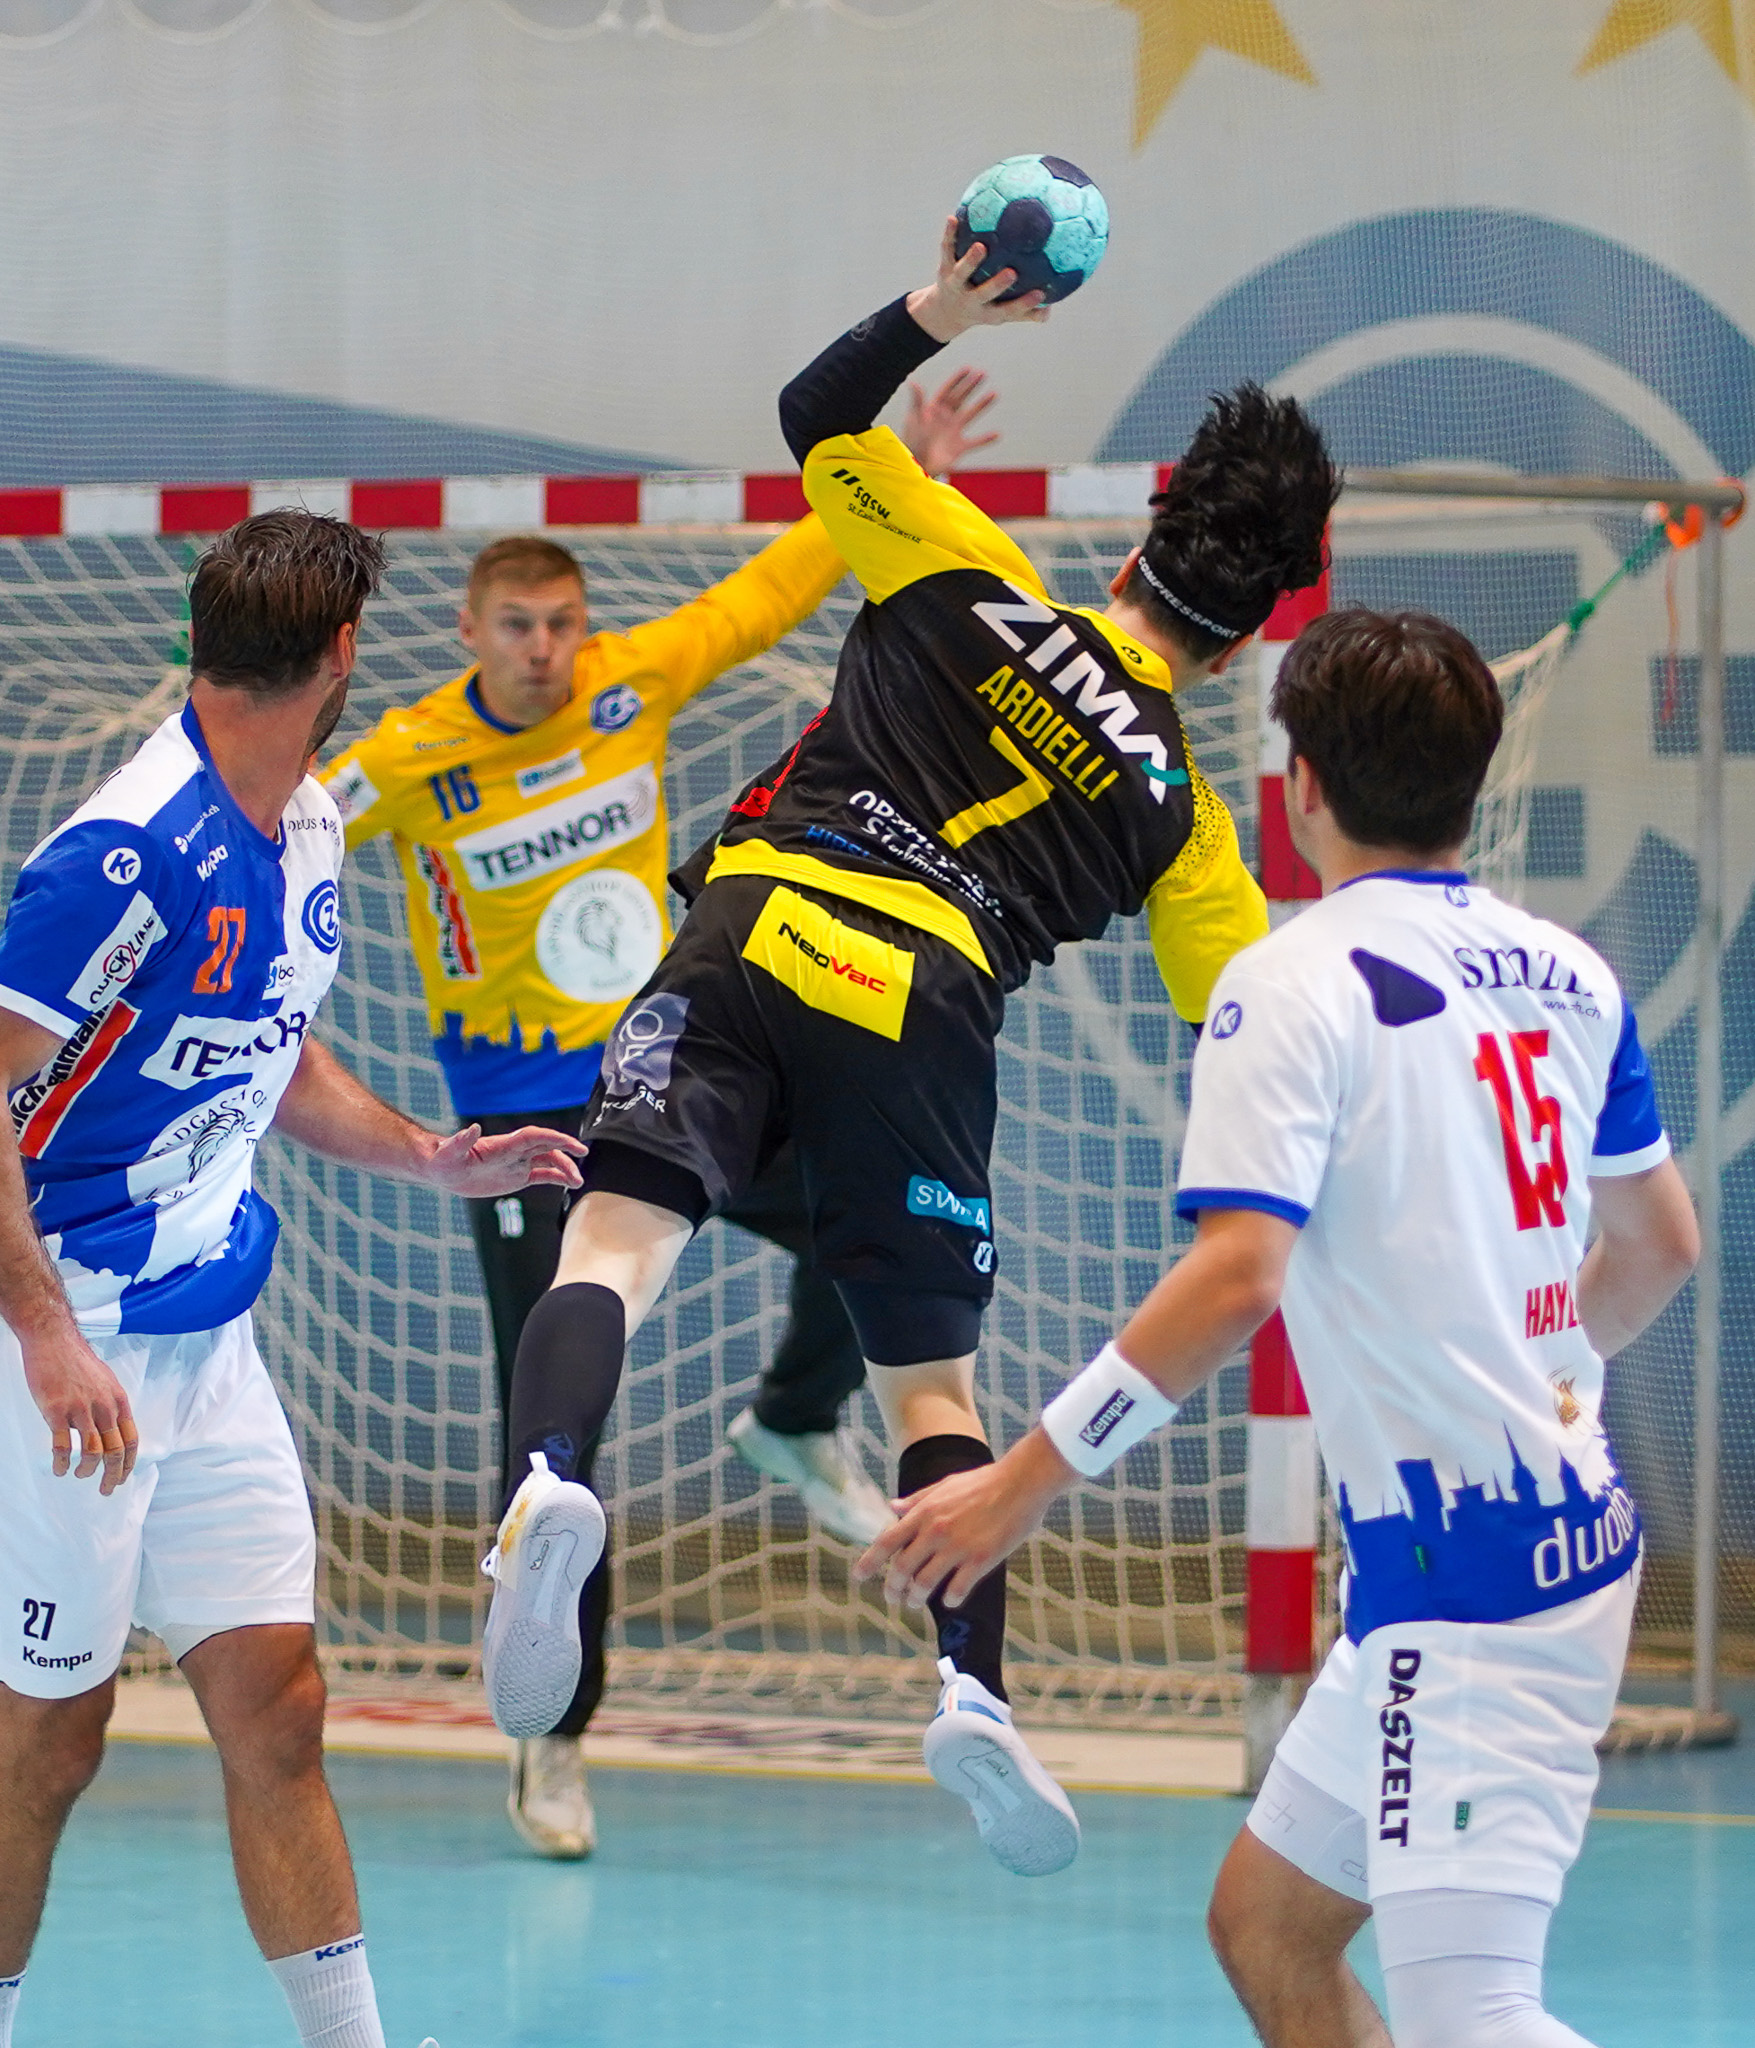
(933, 1198)
(834, 967)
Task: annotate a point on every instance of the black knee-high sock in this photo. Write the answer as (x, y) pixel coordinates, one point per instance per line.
(971, 1636)
(564, 1382)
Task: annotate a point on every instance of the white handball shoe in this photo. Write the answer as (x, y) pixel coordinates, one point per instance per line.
(549, 1803)
(550, 1540)
(972, 1749)
(836, 1491)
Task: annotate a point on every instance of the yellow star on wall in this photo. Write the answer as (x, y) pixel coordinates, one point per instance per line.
(1173, 33)
(1726, 27)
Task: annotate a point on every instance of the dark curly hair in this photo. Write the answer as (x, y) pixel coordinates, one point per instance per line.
(1240, 522)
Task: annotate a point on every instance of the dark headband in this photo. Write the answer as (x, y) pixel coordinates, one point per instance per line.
(1223, 629)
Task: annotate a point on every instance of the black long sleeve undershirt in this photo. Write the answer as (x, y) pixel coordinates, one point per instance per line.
(851, 382)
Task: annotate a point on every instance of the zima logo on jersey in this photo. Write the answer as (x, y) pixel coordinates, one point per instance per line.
(1538, 1184)
(321, 917)
(118, 957)
(1113, 709)
(616, 707)
(1227, 1020)
(121, 865)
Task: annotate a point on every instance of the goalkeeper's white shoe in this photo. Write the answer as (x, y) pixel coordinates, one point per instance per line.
(972, 1749)
(550, 1803)
(836, 1491)
(550, 1540)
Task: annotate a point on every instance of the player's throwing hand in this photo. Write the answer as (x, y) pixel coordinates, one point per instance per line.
(953, 302)
(468, 1164)
(77, 1392)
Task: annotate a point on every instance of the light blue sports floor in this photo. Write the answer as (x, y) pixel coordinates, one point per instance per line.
(749, 1912)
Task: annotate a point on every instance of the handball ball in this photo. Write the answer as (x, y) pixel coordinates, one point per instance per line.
(1039, 216)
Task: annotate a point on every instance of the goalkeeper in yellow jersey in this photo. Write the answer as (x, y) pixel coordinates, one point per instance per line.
(995, 776)
(527, 810)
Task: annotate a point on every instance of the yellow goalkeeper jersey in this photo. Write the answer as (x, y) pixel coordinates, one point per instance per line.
(535, 858)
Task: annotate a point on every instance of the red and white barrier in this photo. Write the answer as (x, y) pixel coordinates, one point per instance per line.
(475, 503)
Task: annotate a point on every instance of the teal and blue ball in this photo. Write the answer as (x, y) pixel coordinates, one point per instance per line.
(1039, 216)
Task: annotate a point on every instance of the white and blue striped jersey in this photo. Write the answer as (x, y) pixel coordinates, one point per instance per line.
(1424, 1079)
(180, 954)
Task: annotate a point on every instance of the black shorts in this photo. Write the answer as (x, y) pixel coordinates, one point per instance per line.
(790, 1013)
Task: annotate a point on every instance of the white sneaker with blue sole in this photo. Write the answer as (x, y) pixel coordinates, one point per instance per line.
(973, 1750)
(550, 1540)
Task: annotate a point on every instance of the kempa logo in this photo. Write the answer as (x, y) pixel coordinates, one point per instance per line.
(56, 1663)
(1103, 1422)
(566, 832)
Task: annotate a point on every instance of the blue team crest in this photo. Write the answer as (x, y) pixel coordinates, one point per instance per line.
(1227, 1020)
(616, 707)
(321, 918)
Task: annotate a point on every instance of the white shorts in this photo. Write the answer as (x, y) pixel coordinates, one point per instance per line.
(213, 1530)
(1462, 1753)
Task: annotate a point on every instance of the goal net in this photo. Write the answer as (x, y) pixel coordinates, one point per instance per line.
(1129, 1603)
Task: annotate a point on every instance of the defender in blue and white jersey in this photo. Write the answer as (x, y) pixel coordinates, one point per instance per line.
(161, 967)
(1410, 1106)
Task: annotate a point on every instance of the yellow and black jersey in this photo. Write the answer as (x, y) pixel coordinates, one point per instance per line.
(535, 859)
(996, 768)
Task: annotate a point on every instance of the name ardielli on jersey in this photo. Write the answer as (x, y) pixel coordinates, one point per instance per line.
(1099, 696)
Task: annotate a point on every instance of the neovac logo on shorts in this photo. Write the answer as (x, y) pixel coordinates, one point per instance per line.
(834, 967)
(118, 957)
(933, 1198)
(563, 833)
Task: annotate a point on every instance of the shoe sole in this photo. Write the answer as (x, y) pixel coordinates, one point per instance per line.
(1023, 1817)
(530, 1651)
(826, 1505)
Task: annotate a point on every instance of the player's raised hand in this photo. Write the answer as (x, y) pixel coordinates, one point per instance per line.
(950, 1536)
(937, 429)
(954, 302)
(468, 1164)
(77, 1394)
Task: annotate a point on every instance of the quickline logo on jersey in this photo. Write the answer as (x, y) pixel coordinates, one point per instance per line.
(834, 967)
(563, 833)
(117, 957)
(1085, 680)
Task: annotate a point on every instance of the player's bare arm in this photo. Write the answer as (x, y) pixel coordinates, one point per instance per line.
(76, 1392)
(325, 1108)
(1211, 1301)
(1647, 1243)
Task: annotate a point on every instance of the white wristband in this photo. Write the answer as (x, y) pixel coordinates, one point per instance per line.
(1103, 1413)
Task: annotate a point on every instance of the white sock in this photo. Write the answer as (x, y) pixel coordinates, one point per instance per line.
(9, 1990)
(330, 1992)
